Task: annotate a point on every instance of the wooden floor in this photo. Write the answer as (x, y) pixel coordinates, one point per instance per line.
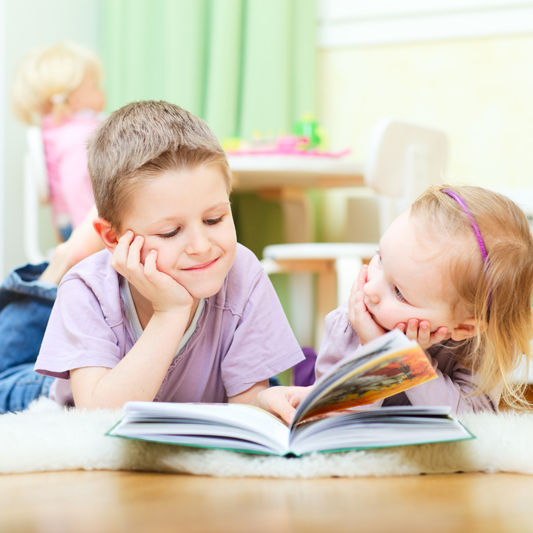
(132, 502)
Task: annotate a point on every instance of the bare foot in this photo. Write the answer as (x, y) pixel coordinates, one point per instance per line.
(83, 242)
(58, 266)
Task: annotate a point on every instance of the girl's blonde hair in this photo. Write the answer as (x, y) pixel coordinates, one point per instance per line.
(46, 76)
(498, 291)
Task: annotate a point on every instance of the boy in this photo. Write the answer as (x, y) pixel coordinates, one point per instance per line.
(174, 309)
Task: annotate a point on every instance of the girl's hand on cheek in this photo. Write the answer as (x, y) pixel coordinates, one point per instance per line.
(360, 319)
(419, 331)
(159, 288)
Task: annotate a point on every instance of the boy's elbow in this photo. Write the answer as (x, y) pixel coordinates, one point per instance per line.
(87, 392)
(92, 403)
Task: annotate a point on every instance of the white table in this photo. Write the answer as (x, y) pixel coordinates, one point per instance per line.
(286, 179)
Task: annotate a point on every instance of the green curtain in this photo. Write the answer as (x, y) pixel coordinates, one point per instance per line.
(242, 65)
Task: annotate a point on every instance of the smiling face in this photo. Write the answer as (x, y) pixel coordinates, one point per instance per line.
(185, 215)
(410, 276)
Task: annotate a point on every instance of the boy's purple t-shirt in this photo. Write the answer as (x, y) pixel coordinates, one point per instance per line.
(242, 336)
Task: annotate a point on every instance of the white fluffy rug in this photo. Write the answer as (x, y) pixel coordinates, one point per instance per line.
(47, 437)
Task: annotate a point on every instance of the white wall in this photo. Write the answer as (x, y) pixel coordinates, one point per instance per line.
(461, 65)
(2, 124)
(29, 23)
(348, 23)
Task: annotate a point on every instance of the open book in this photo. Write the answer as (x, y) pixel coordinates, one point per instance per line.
(330, 418)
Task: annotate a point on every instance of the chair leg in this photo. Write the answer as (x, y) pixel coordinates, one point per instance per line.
(301, 305)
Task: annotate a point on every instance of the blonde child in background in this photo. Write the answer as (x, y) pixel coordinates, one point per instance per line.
(455, 273)
(58, 88)
(174, 309)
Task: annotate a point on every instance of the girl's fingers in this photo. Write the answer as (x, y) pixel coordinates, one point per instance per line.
(420, 331)
(440, 335)
(362, 277)
(359, 282)
(356, 292)
(424, 333)
(401, 326)
(424, 336)
(358, 315)
(411, 330)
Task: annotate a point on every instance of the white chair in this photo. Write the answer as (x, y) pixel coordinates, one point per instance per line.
(35, 192)
(404, 159)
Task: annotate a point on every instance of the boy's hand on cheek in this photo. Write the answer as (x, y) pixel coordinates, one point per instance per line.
(162, 290)
(360, 319)
(420, 331)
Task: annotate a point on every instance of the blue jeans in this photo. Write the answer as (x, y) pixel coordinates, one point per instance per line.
(25, 306)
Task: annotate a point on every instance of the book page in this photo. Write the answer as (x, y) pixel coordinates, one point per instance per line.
(387, 426)
(392, 365)
(196, 422)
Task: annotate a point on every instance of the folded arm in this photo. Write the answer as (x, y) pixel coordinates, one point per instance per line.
(140, 373)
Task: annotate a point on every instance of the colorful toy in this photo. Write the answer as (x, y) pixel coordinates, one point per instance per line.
(307, 140)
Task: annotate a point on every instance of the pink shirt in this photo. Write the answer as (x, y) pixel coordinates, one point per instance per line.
(451, 387)
(242, 336)
(65, 148)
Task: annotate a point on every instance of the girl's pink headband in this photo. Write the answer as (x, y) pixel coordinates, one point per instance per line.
(473, 222)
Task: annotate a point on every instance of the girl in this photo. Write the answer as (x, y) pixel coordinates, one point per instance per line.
(455, 273)
(58, 88)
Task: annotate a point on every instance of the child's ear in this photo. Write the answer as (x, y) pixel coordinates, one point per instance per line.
(466, 329)
(107, 233)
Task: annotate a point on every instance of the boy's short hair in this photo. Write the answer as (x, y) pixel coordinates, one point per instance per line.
(140, 141)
